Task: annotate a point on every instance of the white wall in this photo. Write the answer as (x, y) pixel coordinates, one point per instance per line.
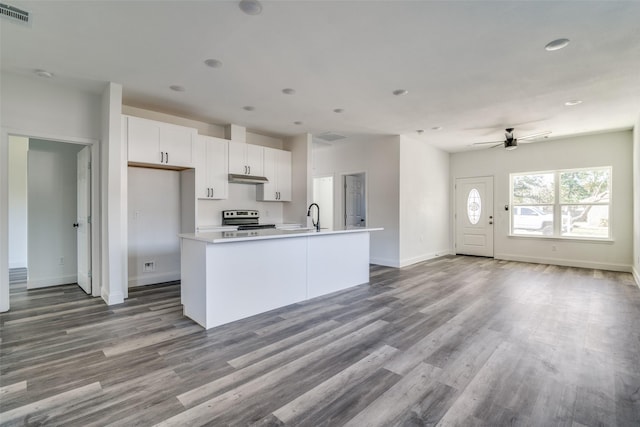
(153, 225)
(379, 158)
(18, 149)
(52, 195)
(424, 201)
(301, 181)
(43, 108)
(606, 149)
(636, 201)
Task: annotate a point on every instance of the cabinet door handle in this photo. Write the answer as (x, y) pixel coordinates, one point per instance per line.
(211, 192)
(208, 192)
(249, 167)
(167, 155)
(162, 157)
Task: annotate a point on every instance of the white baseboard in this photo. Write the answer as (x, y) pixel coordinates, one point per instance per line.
(112, 298)
(636, 275)
(153, 278)
(385, 262)
(19, 264)
(52, 281)
(566, 262)
(424, 257)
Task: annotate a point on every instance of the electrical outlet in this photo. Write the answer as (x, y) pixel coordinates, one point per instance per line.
(149, 266)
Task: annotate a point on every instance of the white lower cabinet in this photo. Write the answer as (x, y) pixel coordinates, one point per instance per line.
(212, 180)
(277, 169)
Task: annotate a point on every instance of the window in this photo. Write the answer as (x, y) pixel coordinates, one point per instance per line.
(474, 206)
(572, 203)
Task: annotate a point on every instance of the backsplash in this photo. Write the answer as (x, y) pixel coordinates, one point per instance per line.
(241, 196)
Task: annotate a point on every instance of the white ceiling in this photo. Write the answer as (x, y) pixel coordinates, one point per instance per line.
(472, 68)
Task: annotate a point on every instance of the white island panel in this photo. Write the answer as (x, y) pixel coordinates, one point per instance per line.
(227, 276)
(246, 279)
(337, 262)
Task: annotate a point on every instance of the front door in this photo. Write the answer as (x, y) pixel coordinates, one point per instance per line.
(474, 216)
(83, 220)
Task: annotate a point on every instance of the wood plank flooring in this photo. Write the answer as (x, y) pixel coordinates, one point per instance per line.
(453, 341)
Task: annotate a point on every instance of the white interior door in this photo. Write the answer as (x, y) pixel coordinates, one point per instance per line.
(354, 202)
(83, 221)
(474, 216)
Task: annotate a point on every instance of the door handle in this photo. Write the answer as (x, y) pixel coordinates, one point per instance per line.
(76, 225)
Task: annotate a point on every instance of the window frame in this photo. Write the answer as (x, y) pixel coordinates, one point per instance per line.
(557, 205)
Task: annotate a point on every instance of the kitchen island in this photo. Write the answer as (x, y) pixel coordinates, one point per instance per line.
(231, 275)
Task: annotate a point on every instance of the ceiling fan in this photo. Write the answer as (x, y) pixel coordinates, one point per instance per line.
(510, 142)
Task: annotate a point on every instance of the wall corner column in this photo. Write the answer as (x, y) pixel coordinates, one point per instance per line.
(114, 198)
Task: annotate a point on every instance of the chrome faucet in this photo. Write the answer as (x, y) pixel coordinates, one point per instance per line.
(315, 224)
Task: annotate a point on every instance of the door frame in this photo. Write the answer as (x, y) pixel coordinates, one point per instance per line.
(343, 196)
(96, 241)
(455, 210)
(333, 193)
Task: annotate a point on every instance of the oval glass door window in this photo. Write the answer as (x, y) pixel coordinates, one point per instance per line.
(474, 206)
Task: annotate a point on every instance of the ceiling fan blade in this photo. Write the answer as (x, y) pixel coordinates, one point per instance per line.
(534, 135)
(490, 142)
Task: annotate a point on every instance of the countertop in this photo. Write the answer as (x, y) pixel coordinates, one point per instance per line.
(265, 234)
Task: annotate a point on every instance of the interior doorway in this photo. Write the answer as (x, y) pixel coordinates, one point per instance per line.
(323, 196)
(474, 216)
(50, 200)
(355, 200)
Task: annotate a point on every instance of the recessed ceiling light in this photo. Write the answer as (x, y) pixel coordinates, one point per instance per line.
(399, 92)
(248, 108)
(213, 63)
(338, 110)
(573, 102)
(556, 44)
(177, 88)
(43, 73)
(250, 7)
(288, 91)
(436, 128)
(297, 123)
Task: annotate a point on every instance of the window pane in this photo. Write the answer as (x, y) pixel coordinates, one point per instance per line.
(532, 220)
(585, 221)
(535, 189)
(474, 206)
(584, 186)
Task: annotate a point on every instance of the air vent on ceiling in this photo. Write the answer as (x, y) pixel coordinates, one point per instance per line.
(14, 14)
(330, 137)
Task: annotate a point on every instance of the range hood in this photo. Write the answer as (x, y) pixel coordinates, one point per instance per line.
(247, 179)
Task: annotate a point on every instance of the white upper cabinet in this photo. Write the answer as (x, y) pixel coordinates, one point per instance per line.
(277, 169)
(246, 159)
(211, 158)
(156, 143)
